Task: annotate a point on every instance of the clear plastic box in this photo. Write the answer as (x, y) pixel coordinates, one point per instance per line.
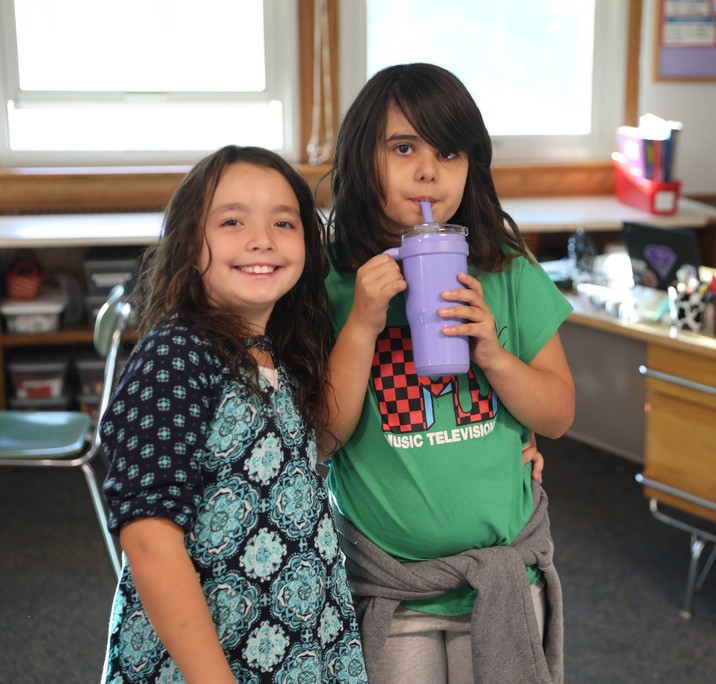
(90, 369)
(42, 404)
(105, 268)
(38, 377)
(90, 405)
(40, 315)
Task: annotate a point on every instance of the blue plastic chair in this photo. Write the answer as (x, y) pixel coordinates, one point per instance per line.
(67, 439)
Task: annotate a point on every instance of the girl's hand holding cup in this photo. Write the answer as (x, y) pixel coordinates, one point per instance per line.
(377, 282)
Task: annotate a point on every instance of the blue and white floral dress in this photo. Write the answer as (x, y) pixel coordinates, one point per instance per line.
(187, 441)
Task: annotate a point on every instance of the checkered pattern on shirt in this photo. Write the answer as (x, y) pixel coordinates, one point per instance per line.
(396, 383)
(401, 393)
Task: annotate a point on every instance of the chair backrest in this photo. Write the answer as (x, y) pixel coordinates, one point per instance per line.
(108, 335)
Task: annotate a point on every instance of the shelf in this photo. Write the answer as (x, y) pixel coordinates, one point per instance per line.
(85, 230)
(65, 336)
(536, 217)
(73, 335)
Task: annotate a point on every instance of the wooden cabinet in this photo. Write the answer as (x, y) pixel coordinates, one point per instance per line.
(609, 391)
(680, 446)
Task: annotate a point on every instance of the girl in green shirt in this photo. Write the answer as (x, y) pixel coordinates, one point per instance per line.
(432, 467)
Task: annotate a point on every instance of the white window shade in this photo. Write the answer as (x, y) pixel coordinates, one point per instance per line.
(146, 81)
(548, 75)
(140, 46)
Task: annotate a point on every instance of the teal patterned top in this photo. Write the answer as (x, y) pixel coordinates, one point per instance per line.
(235, 470)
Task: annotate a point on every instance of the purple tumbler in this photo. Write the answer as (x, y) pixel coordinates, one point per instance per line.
(432, 254)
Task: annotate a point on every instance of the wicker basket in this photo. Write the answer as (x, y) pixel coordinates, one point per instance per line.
(24, 280)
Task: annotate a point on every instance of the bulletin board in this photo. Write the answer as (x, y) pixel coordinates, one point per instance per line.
(685, 41)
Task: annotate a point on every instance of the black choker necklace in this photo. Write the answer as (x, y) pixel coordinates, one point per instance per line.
(262, 342)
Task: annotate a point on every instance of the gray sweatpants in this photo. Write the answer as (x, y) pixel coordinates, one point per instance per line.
(434, 649)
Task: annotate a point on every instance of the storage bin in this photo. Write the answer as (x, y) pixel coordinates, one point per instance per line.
(93, 303)
(34, 376)
(42, 404)
(654, 197)
(104, 268)
(40, 315)
(90, 405)
(90, 370)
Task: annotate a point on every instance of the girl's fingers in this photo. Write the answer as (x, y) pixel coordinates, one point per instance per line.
(471, 306)
(470, 282)
(468, 313)
(472, 293)
(468, 329)
(477, 321)
(378, 281)
(463, 295)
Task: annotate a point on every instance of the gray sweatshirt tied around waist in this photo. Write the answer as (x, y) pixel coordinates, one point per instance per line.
(506, 644)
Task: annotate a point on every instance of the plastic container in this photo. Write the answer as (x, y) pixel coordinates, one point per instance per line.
(41, 404)
(90, 369)
(38, 377)
(93, 303)
(41, 315)
(654, 197)
(105, 268)
(90, 405)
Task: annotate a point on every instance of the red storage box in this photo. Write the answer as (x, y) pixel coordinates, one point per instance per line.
(654, 197)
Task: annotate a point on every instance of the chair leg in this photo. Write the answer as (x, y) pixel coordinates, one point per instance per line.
(706, 569)
(98, 504)
(697, 546)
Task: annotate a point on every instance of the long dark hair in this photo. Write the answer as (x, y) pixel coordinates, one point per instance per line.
(170, 284)
(442, 111)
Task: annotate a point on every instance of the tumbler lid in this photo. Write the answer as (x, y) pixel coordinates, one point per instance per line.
(433, 229)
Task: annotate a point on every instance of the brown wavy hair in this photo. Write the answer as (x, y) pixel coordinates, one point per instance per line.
(170, 284)
(442, 111)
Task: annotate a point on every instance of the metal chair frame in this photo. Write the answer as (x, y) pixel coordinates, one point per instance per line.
(109, 332)
(699, 538)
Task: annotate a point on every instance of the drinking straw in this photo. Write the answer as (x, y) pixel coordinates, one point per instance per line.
(427, 209)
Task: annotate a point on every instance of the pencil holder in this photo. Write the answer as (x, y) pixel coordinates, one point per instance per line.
(687, 309)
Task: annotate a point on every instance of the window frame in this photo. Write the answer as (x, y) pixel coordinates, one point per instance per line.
(609, 87)
(148, 188)
(282, 69)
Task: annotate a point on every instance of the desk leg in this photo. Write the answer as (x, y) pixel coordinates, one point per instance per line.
(697, 546)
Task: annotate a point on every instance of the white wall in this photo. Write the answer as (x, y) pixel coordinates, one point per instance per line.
(692, 103)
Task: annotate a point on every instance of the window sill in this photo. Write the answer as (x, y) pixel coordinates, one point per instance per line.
(44, 190)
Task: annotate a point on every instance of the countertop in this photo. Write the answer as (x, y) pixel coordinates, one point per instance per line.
(587, 313)
(533, 215)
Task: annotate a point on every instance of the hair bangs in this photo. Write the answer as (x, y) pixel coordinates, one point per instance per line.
(442, 112)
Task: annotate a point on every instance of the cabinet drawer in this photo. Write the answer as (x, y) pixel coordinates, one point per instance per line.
(681, 449)
(689, 376)
(687, 365)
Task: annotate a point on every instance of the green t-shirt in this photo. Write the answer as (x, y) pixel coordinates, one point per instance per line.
(434, 466)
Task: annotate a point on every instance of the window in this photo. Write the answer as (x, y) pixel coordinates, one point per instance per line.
(144, 81)
(548, 75)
